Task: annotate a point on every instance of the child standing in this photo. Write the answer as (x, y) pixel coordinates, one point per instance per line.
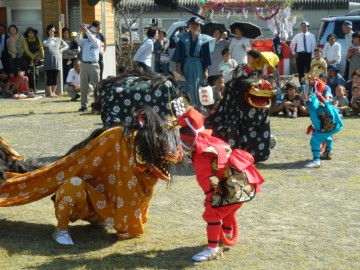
(318, 65)
(213, 157)
(227, 65)
(291, 100)
(75, 49)
(340, 100)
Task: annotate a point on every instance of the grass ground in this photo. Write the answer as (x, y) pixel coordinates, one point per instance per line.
(302, 219)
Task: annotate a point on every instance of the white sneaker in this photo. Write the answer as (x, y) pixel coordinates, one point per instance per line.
(62, 237)
(207, 255)
(313, 164)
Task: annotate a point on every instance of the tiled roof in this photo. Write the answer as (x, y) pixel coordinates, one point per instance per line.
(298, 4)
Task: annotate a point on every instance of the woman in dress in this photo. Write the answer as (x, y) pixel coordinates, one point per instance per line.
(53, 47)
(192, 58)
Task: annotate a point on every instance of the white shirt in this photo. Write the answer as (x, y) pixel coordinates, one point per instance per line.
(90, 47)
(297, 43)
(144, 53)
(73, 77)
(332, 53)
(237, 52)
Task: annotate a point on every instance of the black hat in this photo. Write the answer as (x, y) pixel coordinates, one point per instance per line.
(30, 29)
(195, 20)
(323, 75)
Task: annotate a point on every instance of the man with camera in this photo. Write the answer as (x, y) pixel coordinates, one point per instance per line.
(90, 70)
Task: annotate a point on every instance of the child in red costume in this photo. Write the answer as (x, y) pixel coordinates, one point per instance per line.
(213, 157)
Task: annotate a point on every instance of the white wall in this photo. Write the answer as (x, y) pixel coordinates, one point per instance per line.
(24, 13)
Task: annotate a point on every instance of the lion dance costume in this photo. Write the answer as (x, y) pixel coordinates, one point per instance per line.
(213, 157)
(326, 121)
(109, 178)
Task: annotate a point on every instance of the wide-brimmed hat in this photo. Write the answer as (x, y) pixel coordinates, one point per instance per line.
(195, 19)
(30, 29)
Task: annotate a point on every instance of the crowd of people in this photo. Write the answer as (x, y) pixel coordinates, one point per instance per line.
(21, 54)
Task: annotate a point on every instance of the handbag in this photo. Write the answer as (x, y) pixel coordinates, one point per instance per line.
(233, 189)
(164, 58)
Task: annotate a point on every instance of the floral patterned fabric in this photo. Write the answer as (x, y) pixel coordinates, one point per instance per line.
(239, 124)
(116, 191)
(120, 97)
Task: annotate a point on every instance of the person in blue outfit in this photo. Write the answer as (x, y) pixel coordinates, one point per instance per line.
(192, 58)
(326, 121)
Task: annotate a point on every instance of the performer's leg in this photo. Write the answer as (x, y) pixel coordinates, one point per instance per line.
(315, 143)
(70, 205)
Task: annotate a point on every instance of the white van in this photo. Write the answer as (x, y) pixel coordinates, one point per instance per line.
(333, 25)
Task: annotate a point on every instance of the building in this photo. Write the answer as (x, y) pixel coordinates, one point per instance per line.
(70, 13)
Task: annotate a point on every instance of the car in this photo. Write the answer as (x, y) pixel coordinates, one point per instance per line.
(333, 25)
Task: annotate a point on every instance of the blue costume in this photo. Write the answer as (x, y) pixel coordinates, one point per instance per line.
(194, 57)
(326, 122)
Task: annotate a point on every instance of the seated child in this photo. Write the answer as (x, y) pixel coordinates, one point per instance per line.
(277, 101)
(227, 65)
(303, 110)
(318, 65)
(22, 89)
(327, 93)
(355, 100)
(10, 86)
(74, 47)
(334, 78)
(291, 100)
(340, 100)
(218, 89)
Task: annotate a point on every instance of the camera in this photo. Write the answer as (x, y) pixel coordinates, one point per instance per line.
(85, 25)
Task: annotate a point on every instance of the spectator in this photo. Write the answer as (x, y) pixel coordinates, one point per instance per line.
(327, 92)
(33, 47)
(225, 35)
(53, 47)
(218, 90)
(10, 87)
(34, 53)
(90, 66)
(303, 46)
(227, 65)
(192, 58)
(161, 52)
(239, 46)
(22, 89)
(353, 55)
(99, 35)
(4, 78)
(277, 102)
(318, 64)
(340, 100)
(70, 54)
(334, 78)
(143, 55)
(355, 81)
(291, 101)
(216, 56)
(72, 85)
(15, 49)
(3, 48)
(332, 50)
(355, 100)
(347, 30)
